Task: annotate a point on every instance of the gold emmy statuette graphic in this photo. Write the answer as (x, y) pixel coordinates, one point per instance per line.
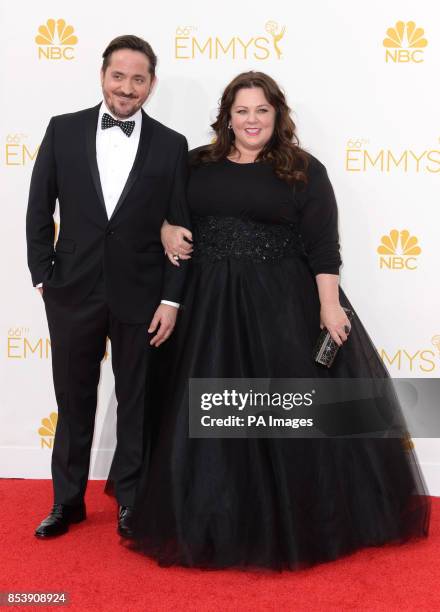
(435, 340)
(47, 430)
(399, 250)
(272, 29)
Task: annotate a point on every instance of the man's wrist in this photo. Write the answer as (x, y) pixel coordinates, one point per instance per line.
(175, 304)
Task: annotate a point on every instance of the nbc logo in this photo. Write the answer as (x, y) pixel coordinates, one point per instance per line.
(404, 43)
(398, 250)
(56, 40)
(47, 430)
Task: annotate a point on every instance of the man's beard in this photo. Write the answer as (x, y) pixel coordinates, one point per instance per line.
(128, 113)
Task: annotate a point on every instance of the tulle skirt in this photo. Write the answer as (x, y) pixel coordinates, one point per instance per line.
(271, 502)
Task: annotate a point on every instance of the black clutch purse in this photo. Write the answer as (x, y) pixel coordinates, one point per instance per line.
(326, 348)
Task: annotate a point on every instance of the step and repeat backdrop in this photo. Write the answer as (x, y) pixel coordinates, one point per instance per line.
(362, 82)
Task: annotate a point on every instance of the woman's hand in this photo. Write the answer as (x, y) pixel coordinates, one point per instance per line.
(333, 317)
(174, 243)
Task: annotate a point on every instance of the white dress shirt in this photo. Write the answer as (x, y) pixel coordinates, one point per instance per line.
(115, 155)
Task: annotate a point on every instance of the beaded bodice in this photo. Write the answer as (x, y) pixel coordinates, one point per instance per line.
(218, 237)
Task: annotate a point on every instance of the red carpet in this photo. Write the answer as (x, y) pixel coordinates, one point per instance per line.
(100, 574)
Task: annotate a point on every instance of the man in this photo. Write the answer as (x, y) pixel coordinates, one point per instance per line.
(117, 174)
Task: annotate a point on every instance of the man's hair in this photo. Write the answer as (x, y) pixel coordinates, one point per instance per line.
(129, 41)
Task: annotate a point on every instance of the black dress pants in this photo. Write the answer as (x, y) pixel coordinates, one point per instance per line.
(78, 338)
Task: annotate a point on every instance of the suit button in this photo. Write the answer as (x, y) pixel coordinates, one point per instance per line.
(110, 232)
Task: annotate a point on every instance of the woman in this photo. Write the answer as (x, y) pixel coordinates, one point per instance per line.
(263, 280)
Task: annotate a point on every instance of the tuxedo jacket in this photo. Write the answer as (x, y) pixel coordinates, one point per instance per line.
(126, 248)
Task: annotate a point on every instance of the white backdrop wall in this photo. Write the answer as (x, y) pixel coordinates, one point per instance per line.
(368, 109)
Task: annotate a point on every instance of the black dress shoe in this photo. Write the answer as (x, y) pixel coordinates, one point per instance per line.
(125, 517)
(59, 520)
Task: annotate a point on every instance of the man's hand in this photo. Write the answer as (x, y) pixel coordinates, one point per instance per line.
(164, 317)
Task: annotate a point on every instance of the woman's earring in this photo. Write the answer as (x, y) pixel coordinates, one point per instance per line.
(229, 126)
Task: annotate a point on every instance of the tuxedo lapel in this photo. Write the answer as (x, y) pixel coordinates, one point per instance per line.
(144, 145)
(92, 121)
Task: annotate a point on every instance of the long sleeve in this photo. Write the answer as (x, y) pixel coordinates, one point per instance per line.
(177, 214)
(318, 224)
(40, 227)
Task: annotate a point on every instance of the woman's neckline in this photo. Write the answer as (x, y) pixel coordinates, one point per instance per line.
(236, 163)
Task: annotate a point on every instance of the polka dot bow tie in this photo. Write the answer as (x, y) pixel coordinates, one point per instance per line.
(126, 126)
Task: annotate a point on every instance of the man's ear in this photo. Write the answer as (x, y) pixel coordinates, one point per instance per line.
(153, 85)
(101, 74)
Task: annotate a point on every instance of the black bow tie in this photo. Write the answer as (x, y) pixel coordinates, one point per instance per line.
(107, 121)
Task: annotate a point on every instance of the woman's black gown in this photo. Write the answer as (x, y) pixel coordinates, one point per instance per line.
(252, 310)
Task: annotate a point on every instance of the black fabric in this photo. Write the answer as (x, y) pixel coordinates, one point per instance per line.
(103, 277)
(252, 191)
(277, 503)
(127, 246)
(78, 340)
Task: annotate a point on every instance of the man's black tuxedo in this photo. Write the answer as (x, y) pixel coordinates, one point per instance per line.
(104, 277)
(127, 246)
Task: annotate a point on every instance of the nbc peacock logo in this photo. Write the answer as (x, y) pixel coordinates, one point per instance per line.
(56, 40)
(404, 43)
(398, 250)
(47, 430)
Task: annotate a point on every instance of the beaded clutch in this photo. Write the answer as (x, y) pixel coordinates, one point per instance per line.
(326, 348)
